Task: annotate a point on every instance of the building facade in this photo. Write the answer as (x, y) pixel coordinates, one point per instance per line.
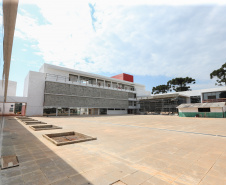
(59, 91)
(208, 110)
(169, 102)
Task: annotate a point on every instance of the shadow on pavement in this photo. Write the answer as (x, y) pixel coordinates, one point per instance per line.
(38, 164)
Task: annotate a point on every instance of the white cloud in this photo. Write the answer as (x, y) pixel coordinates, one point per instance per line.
(138, 38)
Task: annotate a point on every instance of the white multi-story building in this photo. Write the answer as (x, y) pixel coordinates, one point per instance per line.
(58, 90)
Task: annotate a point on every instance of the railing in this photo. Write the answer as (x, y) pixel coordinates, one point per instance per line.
(214, 100)
(59, 78)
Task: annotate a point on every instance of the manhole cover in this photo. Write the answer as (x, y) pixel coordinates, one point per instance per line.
(44, 127)
(9, 161)
(67, 138)
(118, 183)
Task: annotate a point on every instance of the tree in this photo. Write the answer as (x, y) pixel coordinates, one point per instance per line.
(220, 74)
(160, 89)
(180, 84)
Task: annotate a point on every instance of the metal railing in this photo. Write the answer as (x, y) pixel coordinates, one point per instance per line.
(214, 100)
(59, 78)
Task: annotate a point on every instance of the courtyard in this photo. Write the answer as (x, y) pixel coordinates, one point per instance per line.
(129, 150)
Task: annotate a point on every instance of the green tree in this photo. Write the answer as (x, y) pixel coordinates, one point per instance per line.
(180, 84)
(160, 89)
(220, 74)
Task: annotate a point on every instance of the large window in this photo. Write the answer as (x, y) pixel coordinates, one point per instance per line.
(73, 78)
(63, 112)
(103, 111)
(195, 99)
(204, 109)
(49, 112)
(214, 95)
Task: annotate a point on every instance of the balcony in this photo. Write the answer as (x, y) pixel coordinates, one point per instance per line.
(97, 84)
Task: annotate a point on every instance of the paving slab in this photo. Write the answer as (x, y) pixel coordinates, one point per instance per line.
(138, 149)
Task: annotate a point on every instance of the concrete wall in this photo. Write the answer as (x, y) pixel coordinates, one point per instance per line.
(26, 83)
(11, 91)
(70, 95)
(8, 106)
(141, 91)
(116, 112)
(195, 109)
(190, 109)
(35, 93)
(216, 109)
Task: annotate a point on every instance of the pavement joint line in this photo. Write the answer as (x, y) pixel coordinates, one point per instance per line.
(163, 129)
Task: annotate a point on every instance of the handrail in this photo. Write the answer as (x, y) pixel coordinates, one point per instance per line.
(67, 79)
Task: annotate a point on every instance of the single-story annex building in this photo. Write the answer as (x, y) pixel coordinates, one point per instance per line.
(210, 110)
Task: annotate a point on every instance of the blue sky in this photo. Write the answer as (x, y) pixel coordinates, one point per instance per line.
(155, 42)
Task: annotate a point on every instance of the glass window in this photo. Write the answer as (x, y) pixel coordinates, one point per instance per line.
(63, 112)
(195, 99)
(222, 94)
(74, 111)
(49, 112)
(103, 111)
(204, 109)
(205, 96)
(73, 78)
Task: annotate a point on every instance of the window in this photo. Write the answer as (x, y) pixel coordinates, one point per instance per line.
(214, 95)
(11, 110)
(103, 111)
(211, 97)
(49, 112)
(73, 78)
(130, 103)
(204, 109)
(195, 99)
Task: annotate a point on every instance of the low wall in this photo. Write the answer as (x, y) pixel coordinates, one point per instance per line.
(203, 114)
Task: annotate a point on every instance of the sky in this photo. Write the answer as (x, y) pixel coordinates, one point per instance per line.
(153, 40)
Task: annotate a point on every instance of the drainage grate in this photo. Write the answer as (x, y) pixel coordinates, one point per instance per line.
(118, 183)
(9, 161)
(67, 138)
(44, 127)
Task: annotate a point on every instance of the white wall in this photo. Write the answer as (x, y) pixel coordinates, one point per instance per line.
(141, 91)
(195, 109)
(190, 109)
(115, 112)
(11, 91)
(224, 108)
(7, 108)
(11, 88)
(26, 81)
(216, 109)
(35, 93)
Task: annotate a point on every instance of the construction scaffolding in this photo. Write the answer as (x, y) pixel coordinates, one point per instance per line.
(161, 103)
